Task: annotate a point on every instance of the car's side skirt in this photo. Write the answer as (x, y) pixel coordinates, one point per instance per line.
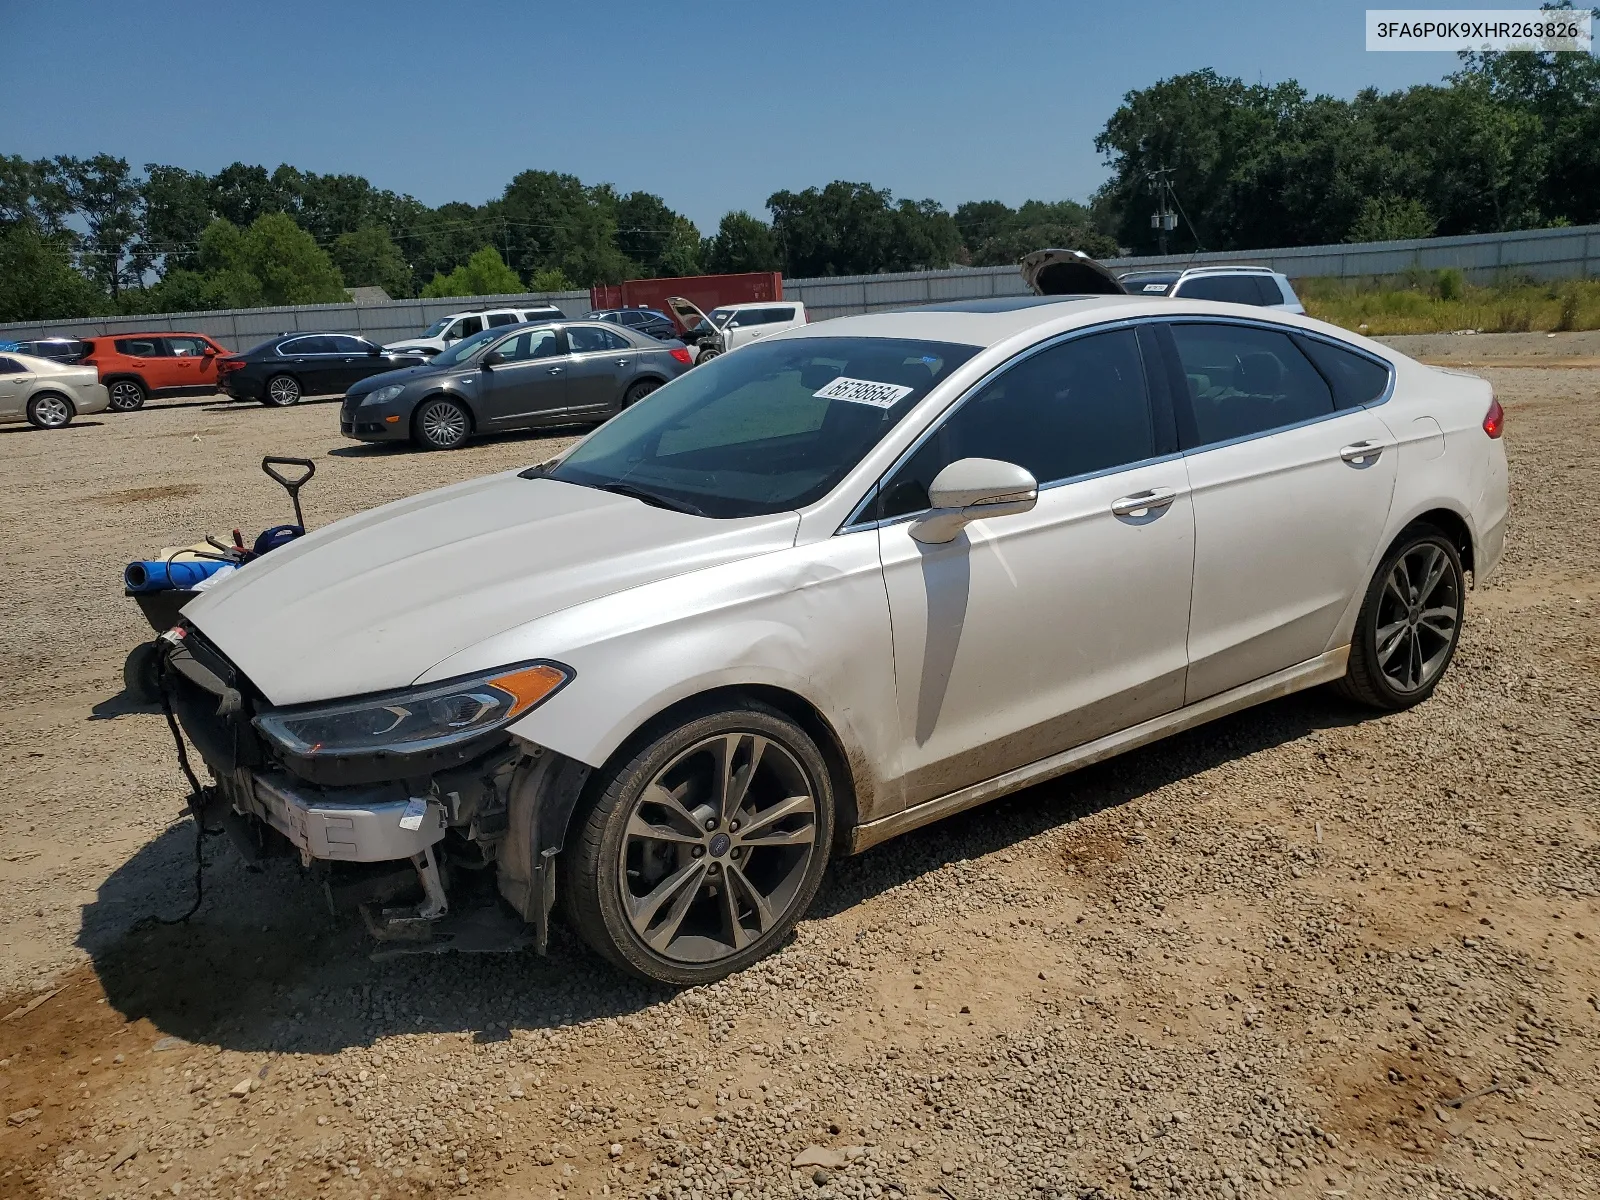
(1323, 669)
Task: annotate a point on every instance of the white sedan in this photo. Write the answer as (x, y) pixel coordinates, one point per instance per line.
(832, 587)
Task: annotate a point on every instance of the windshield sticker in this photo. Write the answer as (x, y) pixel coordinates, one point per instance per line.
(1155, 287)
(864, 391)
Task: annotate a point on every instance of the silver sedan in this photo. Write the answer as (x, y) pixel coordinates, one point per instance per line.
(48, 394)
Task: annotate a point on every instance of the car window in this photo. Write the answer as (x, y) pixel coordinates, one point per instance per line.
(776, 315)
(496, 320)
(719, 316)
(1267, 287)
(1070, 410)
(466, 327)
(1231, 289)
(185, 347)
(315, 344)
(10, 366)
(633, 319)
(142, 347)
(530, 344)
(1244, 380)
(1355, 378)
(586, 339)
(344, 344)
(464, 349)
(770, 428)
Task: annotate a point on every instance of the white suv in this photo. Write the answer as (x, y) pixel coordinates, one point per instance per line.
(733, 325)
(1258, 286)
(447, 331)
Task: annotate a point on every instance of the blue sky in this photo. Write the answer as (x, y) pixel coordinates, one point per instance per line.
(712, 106)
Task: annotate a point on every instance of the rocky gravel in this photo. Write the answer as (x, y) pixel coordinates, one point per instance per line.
(1302, 952)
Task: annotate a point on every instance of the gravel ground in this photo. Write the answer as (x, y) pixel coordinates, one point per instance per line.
(1302, 952)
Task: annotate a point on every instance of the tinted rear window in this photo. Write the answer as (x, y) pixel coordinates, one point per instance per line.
(1230, 289)
(1356, 379)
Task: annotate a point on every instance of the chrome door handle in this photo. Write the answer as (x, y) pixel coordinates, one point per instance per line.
(1151, 500)
(1361, 453)
(555, 370)
(622, 362)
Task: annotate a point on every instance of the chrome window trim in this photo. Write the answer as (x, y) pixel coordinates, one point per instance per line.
(853, 521)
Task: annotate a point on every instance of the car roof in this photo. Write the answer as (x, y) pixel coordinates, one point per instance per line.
(37, 363)
(754, 304)
(988, 322)
(1240, 269)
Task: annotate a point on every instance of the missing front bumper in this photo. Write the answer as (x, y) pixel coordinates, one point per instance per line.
(365, 824)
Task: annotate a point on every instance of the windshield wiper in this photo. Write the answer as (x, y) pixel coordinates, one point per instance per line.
(650, 498)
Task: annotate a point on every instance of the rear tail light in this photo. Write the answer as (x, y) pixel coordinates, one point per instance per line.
(225, 365)
(87, 362)
(681, 353)
(1494, 421)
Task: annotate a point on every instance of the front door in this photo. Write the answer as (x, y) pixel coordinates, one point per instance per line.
(1291, 496)
(12, 376)
(1030, 634)
(599, 365)
(527, 384)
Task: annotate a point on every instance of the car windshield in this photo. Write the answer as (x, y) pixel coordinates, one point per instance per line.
(467, 347)
(721, 316)
(769, 428)
(1148, 285)
(436, 328)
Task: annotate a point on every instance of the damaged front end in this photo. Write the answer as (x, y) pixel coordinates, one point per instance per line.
(415, 806)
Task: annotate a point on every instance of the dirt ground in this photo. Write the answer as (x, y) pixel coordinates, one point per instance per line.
(1303, 952)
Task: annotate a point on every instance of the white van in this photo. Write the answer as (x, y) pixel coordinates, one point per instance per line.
(447, 331)
(733, 325)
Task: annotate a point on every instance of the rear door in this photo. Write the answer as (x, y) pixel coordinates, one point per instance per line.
(13, 374)
(150, 359)
(1291, 495)
(529, 385)
(600, 362)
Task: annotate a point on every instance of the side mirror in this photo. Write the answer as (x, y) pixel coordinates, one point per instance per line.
(494, 358)
(209, 352)
(374, 351)
(970, 489)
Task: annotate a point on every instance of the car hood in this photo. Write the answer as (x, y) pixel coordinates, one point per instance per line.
(372, 602)
(399, 375)
(1068, 273)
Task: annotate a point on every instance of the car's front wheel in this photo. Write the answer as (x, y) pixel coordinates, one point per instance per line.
(1409, 624)
(127, 395)
(50, 411)
(441, 425)
(283, 391)
(702, 850)
(639, 391)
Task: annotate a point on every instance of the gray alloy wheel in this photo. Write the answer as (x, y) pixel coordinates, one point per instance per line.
(702, 852)
(282, 391)
(442, 424)
(639, 391)
(50, 410)
(1410, 622)
(127, 395)
(706, 355)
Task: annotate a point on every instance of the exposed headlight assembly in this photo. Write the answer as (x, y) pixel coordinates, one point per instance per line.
(384, 394)
(414, 720)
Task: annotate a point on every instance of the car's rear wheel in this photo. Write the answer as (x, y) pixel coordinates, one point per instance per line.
(706, 355)
(127, 395)
(50, 410)
(283, 391)
(1409, 624)
(441, 424)
(639, 391)
(701, 851)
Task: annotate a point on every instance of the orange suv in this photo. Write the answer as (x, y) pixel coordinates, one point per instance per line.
(136, 366)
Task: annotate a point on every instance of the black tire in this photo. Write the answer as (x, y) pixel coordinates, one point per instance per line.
(282, 391)
(50, 410)
(639, 391)
(441, 424)
(706, 355)
(604, 860)
(127, 395)
(1402, 645)
(141, 673)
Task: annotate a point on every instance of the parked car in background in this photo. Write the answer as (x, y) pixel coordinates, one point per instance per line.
(1259, 287)
(137, 366)
(838, 585)
(642, 320)
(447, 331)
(546, 374)
(734, 325)
(58, 349)
(48, 394)
(282, 370)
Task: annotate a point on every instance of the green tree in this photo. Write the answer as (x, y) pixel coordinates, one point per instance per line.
(105, 194)
(1389, 218)
(551, 280)
(31, 194)
(368, 257)
(274, 261)
(37, 279)
(484, 274)
(742, 243)
(176, 211)
(241, 193)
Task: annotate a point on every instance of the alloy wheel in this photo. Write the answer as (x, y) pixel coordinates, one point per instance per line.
(1418, 616)
(126, 396)
(51, 412)
(283, 391)
(443, 424)
(717, 848)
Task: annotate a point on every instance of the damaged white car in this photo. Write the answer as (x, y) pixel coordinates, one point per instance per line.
(854, 578)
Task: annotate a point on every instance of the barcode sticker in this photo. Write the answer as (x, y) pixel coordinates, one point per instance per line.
(416, 809)
(864, 391)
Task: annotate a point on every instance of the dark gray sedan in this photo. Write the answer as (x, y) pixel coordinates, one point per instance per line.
(518, 377)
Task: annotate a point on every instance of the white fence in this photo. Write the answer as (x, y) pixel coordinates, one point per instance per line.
(1544, 254)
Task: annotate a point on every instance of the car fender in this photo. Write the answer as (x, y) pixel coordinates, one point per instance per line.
(810, 620)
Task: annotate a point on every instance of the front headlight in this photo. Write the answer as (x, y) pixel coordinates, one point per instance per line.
(415, 720)
(384, 394)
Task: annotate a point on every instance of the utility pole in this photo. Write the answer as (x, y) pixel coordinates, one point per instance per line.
(1164, 219)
